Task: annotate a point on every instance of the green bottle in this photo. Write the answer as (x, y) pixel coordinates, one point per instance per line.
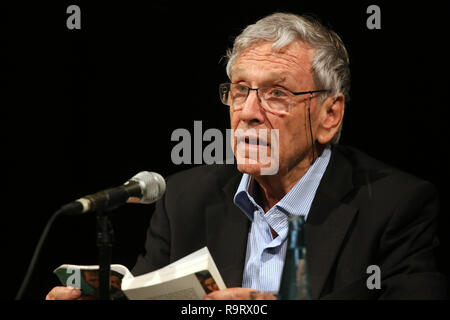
(294, 279)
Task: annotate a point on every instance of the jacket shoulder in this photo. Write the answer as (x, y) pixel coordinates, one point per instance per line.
(219, 173)
(204, 181)
(366, 168)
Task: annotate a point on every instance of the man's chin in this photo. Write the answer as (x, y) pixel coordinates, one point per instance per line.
(256, 169)
(251, 169)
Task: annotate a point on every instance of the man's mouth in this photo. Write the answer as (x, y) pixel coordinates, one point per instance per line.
(252, 141)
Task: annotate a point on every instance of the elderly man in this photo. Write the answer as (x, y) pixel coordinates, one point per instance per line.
(289, 75)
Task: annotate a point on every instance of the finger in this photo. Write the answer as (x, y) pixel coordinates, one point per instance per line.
(258, 295)
(239, 294)
(63, 293)
(229, 294)
(218, 295)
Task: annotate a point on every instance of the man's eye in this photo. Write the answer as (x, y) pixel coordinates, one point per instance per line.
(277, 93)
(242, 89)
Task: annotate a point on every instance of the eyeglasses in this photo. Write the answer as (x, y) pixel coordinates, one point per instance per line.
(273, 99)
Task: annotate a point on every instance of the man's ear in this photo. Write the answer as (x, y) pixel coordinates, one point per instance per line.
(330, 117)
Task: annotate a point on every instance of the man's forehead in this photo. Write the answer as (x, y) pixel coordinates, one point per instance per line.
(297, 56)
(243, 71)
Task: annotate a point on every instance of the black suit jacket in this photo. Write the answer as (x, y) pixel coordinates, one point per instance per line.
(364, 213)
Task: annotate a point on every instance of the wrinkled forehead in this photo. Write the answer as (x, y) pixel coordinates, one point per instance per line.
(291, 61)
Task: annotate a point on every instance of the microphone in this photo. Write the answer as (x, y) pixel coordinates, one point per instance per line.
(145, 187)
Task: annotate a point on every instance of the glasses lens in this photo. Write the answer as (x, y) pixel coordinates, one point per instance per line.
(275, 99)
(224, 90)
(272, 98)
(238, 94)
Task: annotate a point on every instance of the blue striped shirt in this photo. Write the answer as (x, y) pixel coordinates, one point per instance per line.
(265, 255)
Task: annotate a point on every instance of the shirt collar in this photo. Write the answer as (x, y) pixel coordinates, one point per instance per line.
(297, 201)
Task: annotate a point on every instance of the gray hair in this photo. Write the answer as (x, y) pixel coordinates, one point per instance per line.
(330, 65)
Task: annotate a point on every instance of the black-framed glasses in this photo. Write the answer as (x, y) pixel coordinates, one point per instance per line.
(273, 99)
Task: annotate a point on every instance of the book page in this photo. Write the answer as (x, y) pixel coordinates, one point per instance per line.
(192, 263)
(185, 288)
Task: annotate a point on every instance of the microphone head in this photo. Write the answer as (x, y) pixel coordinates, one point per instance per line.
(152, 185)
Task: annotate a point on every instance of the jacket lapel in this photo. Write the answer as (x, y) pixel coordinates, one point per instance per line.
(227, 233)
(328, 221)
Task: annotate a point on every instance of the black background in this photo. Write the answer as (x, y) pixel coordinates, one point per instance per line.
(87, 109)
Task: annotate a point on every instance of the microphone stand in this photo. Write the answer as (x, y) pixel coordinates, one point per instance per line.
(104, 244)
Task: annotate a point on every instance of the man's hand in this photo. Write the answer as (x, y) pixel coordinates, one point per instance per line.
(239, 294)
(63, 293)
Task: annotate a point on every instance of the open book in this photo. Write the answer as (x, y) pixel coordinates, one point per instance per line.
(189, 278)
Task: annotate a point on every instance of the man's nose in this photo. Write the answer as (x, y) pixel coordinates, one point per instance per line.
(252, 110)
